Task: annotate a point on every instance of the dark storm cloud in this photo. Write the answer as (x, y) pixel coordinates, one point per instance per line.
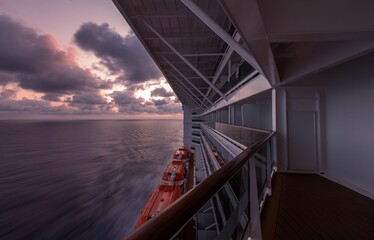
(161, 92)
(167, 106)
(125, 97)
(36, 63)
(118, 53)
(63, 80)
(160, 102)
(51, 97)
(23, 50)
(170, 108)
(104, 85)
(88, 98)
(6, 78)
(128, 103)
(90, 103)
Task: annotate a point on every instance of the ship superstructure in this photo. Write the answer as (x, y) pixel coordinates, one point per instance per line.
(278, 100)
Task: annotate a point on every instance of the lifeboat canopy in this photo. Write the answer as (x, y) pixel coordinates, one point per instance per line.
(163, 195)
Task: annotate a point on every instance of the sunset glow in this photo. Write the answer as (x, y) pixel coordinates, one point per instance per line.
(90, 65)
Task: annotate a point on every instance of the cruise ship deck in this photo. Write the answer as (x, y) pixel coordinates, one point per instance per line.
(277, 102)
(309, 206)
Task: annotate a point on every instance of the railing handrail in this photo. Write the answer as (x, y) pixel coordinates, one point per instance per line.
(236, 143)
(173, 218)
(248, 128)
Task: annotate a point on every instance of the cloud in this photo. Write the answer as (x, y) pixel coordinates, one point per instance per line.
(160, 102)
(161, 92)
(28, 105)
(37, 63)
(23, 50)
(7, 93)
(170, 108)
(167, 106)
(62, 80)
(32, 106)
(125, 97)
(88, 98)
(121, 55)
(127, 102)
(6, 78)
(51, 97)
(90, 103)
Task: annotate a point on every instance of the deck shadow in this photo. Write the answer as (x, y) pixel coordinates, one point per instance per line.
(309, 206)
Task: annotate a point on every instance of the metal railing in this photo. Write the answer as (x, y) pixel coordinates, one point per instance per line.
(244, 135)
(242, 217)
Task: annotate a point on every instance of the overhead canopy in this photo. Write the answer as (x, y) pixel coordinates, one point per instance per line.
(192, 41)
(186, 50)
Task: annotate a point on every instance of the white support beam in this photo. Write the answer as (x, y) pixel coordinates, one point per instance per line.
(222, 34)
(256, 85)
(187, 80)
(223, 62)
(184, 59)
(165, 13)
(196, 103)
(185, 87)
(247, 17)
(181, 90)
(176, 35)
(203, 54)
(198, 77)
(189, 97)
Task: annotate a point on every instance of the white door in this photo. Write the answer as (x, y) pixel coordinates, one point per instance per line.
(302, 141)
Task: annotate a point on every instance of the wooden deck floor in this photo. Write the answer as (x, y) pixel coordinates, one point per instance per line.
(308, 206)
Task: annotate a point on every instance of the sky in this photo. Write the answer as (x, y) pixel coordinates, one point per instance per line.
(76, 59)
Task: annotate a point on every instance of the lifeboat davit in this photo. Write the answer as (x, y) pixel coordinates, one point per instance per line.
(163, 195)
(175, 172)
(181, 154)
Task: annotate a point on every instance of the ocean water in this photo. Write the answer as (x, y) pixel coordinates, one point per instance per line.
(80, 179)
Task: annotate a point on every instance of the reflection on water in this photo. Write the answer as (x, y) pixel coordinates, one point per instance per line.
(80, 179)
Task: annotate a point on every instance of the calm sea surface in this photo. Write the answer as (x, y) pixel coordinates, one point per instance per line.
(80, 179)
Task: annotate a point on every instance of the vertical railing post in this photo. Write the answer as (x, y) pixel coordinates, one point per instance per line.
(269, 165)
(255, 223)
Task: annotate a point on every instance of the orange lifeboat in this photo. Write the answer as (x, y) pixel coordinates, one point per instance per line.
(181, 154)
(175, 172)
(163, 195)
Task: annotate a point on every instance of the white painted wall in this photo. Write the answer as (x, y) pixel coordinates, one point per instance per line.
(257, 114)
(238, 115)
(298, 129)
(224, 113)
(350, 123)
